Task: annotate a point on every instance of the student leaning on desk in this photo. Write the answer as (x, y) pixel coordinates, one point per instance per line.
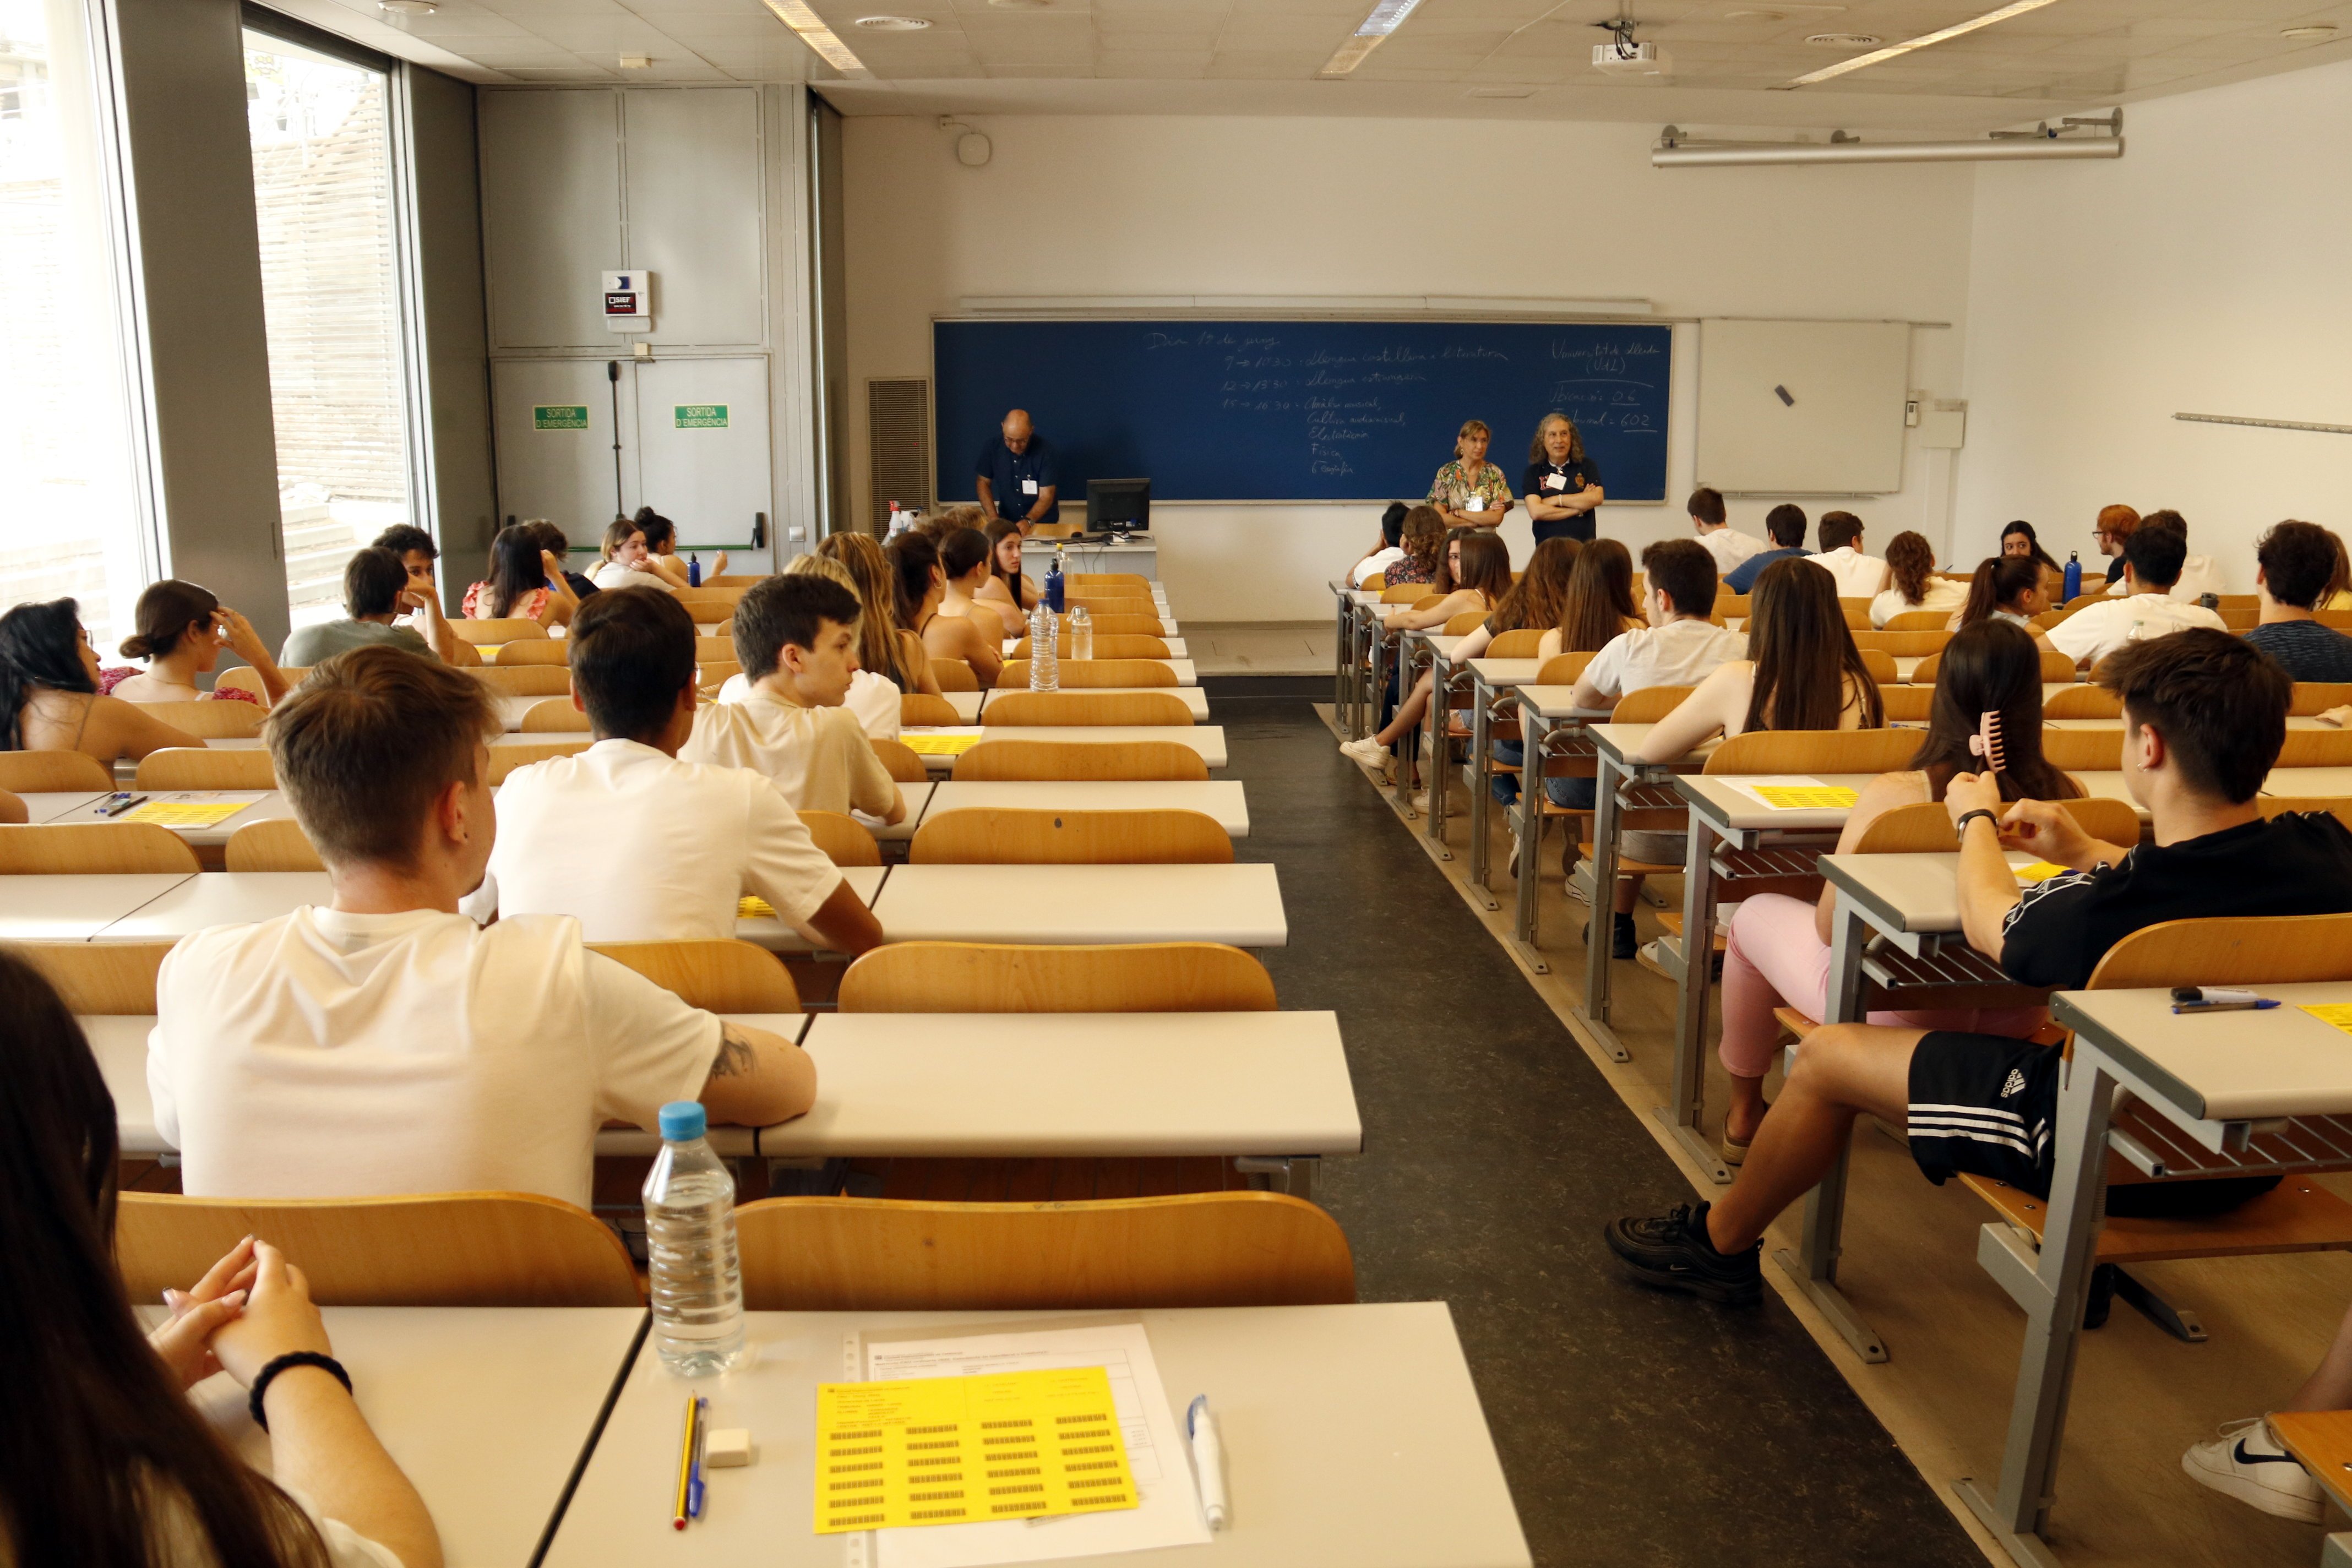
(386, 1044)
(108, 1462)
(2204, 718)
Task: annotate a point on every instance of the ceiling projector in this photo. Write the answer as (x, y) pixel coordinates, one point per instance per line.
(1626, 57)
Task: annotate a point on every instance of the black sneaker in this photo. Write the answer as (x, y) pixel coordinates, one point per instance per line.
(1674, 1253)
(1623, 943)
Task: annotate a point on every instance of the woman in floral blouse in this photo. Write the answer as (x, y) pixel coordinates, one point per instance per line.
(1470, 491)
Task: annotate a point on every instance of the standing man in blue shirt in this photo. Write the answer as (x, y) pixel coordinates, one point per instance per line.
(1016, 480)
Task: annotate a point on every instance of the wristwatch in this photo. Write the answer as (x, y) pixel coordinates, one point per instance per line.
(1960, 828)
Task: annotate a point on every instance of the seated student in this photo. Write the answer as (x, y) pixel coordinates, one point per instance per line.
(884, 646)
(1477, 574)
(558, 548)
(661, 548)
(1423, 537)
(2338, 595)
(963, 563)
(1005, 591)
(142, 1477)
(1912, 583)
(797, 637)
(2018, 539)
(182, 630)
(698, 838)
(1727, 545)
(2152, 564)
(2296, 560)
(1785, 524)
(1386, 550)
(1779, 952)
(49, 699)
(2204, 718)
(2110, 533)
(376, 589)
(419, 554)
(1679, 647)
(625, 563)
(922, 585)
(1599, 605)
(872, 697)
(2005, 588)
(2249, 1463)
(526, 583)
(387, 1044)
(2199, 575)
(1859, 577)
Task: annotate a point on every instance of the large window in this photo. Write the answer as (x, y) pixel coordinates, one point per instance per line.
(72, 521)
(322, 187)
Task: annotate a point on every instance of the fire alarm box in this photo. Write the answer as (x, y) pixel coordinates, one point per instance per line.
(629, 301)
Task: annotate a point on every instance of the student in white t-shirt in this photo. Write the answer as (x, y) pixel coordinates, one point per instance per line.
(873, 698)
(1728, 546)
(386, 1044)
(696, 837)
(2152, 558)
(1859, 577)
(626, 562)
(1912, 583)
(1680, 646)
(796, 637)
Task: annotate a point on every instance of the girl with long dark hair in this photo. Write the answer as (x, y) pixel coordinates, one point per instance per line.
(1801, 672)
(526, 582)
(922, 593)
(1599, 604)
(182, 629)
(2018, 539)
(49, 699)
(2006, 588)
(1006, 591)
(1779, 952)
(661, 549)
(103, 1462)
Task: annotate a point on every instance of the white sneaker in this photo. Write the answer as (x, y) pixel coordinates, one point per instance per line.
(2247, 1463)
(1365, 750)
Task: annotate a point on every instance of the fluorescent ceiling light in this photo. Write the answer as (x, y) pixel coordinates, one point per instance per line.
(812, 32)
(2017, 10)
(1386, 18)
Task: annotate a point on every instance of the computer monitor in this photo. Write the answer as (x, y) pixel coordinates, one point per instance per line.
(1122, 504)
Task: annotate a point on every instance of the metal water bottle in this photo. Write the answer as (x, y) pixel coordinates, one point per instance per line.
(2074, 575)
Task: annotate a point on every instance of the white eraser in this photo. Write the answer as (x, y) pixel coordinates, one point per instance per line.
(727, 1447)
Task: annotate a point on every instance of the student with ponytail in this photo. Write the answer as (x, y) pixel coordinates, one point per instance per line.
(2005, 588)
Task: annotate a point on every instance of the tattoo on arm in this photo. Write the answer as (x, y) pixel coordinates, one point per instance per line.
(736, 1054)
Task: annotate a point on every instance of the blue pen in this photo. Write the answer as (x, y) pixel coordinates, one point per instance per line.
(694, 1476)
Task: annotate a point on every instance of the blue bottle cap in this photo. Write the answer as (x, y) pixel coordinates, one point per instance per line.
(682, 1119)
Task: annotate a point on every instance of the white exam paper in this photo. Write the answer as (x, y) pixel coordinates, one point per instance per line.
(1169, 1513)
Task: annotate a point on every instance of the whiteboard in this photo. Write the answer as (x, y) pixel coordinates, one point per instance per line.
(1840, 430)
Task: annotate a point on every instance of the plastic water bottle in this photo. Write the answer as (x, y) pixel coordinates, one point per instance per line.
(1054, 581)
(2074, 575)
(1082, 634)
(694, 571)
(697, 1281)
(898, 524)
(1045, 652)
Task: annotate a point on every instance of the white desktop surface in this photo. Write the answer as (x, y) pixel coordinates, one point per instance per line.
(1209, 740)
(1223, 799)
(1071, 1085)
(1353, 1439)
(49, 805)
(1240, 904)
(773, 934)
(220, 898)
(2232, 1067)
(76, 907)
(260, 806)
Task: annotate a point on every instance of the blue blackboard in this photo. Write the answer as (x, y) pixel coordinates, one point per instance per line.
(1320, 410)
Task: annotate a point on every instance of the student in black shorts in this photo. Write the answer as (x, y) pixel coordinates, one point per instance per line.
(2204, 716)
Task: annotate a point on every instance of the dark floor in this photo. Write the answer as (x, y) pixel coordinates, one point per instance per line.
(1634, 1427)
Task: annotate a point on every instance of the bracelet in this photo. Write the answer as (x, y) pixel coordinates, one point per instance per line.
(1960, 828)
(262, 1379)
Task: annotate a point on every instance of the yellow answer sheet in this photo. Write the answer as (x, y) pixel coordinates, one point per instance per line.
(185, 812)
(2338, 1014)
(939, 745)
(954, 1450)
(1823, 797)
(751, 907)
(2041, 872)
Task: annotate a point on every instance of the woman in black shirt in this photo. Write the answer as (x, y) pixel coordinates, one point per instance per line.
(1562, 485)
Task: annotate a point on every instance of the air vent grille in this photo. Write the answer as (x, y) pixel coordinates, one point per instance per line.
(897, 447)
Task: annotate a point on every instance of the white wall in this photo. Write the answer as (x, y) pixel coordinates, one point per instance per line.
(1111, 206)
(2203, 273)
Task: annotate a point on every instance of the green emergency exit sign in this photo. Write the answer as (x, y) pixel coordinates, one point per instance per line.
(702, 416)
(559, 417)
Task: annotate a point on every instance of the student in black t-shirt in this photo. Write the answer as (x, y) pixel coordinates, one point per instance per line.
(1562, 485)
(2296, 561)
(2204, 718)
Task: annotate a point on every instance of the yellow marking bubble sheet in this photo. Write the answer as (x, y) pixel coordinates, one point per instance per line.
(1820, 797)
(753, 907)
(185, 812)
(957, 1450)
(2038, 872)
(939, 745)
(2337, 1015)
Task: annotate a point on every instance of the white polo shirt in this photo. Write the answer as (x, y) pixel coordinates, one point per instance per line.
(1859, 577)
(873, 698)
(819, 757)
(2096, 630)
(639, 846)
(1680, 653)
(612, 574)
(326, 1054)
(1942, 595)
(2198, 575)
(1729, 548)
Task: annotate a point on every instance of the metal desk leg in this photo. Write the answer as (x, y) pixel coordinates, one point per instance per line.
(1437, 750)
(1816, 1269)
(1406, 676)
(1690, 1005)
(1481, 794)
(1605, 817)
(2049, 1285)
(1343, 642)
(1528, 842)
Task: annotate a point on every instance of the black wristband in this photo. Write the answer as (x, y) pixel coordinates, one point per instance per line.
(1960, 828)
(261, 1380)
